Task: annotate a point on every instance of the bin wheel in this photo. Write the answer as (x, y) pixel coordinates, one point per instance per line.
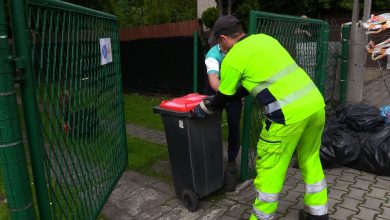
(190, 200)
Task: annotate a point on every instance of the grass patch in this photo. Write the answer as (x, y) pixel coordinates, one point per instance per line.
(139, 110)
(101, 217)
(4, 212)
(144, 154)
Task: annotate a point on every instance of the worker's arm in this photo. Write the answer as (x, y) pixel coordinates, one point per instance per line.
(227, 90)
(209, 105)
(212, 66)
(230, 92)
(214, 81)
(220, 99)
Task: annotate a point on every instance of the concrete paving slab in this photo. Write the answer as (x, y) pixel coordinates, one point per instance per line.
(353, 194)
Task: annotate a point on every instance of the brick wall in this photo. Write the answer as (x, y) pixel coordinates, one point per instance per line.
(178, 29)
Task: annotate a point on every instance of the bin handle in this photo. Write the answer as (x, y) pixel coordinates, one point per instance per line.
(191, 113)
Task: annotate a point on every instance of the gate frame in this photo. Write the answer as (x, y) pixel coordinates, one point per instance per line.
(23, 64)
(246, 170)
(30, 107)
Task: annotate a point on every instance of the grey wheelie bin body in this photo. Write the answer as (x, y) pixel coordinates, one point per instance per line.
(195, 151)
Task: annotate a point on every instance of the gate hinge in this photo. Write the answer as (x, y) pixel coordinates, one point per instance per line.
(20, 62)
(20, 65)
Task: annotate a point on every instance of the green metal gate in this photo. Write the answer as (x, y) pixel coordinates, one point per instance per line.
(68, 63)
(307, 41)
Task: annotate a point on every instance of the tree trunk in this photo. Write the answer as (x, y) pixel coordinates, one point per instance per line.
(229, 7)
(220, 7)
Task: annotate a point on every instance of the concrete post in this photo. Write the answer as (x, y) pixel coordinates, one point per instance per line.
(357, 58)
(366, 10)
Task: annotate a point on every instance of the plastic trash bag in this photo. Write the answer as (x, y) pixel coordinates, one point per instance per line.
(340, 145)
(385, 113)
(379, 50)
(362, 117)
(375, 153)
(377, 23)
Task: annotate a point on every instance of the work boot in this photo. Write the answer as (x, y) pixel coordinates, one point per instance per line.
(230, 182)
(306, 216)
(232, 167)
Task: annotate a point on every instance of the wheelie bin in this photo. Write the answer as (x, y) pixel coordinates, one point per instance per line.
(195, 149)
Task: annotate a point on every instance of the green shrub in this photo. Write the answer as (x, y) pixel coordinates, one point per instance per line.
(209, 17)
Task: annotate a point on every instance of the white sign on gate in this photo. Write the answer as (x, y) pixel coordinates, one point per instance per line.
(105, 51)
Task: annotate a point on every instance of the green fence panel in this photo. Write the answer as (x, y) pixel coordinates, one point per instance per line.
(307, 42)
(75, 62)
(345, 31)
(15, 191)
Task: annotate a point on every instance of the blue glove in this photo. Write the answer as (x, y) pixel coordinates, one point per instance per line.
(198, 112)
(201, 111)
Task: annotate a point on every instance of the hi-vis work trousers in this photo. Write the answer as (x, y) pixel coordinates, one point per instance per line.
(275, 148)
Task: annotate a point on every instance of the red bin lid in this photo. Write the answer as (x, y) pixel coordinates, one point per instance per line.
(183, 104)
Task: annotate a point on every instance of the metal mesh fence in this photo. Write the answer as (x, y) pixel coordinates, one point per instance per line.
(15, 191)
(334, 85)
(80, 105)
(307, 42)
(337, 61)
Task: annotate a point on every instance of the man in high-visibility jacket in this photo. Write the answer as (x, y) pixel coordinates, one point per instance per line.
(294, 117)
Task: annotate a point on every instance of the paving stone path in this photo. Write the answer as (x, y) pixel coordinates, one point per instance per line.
(353, 195)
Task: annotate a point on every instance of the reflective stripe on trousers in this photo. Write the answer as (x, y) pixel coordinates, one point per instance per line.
(316, 187)
(267, 197)
(261, 215)
(317, 209)
(271, 199)
(274, 154)
(314, 198)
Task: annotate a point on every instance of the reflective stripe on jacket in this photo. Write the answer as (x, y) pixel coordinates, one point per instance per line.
(262, 66)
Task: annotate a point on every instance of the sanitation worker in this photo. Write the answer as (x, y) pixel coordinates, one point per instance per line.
(294, 115)
(233, 108)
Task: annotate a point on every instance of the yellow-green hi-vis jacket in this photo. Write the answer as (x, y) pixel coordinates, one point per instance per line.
(269, 73)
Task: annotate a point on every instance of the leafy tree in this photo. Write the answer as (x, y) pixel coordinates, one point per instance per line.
(239, 8)
(209, 17)
(182, 10)
(144, 12)
(129, 13)
(156, 12)
(242, 8)
(224, 7)
(317, 8)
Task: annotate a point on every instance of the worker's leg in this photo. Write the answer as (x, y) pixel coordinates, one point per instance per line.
(309, 162)
(233, 114)
(274, 150)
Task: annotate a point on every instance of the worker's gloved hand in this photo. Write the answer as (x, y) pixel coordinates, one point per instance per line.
(202, 110)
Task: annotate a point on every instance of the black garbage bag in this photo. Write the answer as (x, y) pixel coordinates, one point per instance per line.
(375, 153)
(362, 117)
(341, 112)
(340, 145)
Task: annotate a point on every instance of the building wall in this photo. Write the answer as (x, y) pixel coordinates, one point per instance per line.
(203, 5)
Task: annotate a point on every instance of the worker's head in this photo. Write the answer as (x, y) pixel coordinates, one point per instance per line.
(227, 31)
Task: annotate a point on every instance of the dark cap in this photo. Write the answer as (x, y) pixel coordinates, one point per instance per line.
(225, 25)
